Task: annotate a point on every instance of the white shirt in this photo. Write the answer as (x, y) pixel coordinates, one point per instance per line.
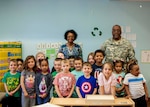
(135, 84)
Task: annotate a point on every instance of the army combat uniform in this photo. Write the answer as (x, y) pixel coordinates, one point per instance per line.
(118, 50)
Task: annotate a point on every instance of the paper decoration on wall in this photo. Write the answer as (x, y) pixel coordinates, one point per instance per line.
(96, 31)
(50, 49)
(145, 56)
(128, 34)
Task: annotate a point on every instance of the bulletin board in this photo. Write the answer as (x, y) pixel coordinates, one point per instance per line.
(8, 50)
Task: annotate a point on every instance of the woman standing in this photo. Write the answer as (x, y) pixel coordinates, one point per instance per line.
(71, 48)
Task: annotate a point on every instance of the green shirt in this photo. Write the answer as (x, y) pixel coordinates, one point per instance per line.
(54, 74)
(12, 82)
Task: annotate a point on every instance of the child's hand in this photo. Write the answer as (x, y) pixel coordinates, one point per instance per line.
(128, 96)
(68, 96)
(10, 94)
(146, 97)
(26, 94)
(33, 96)
(115, 96)
(44, 95)
(61, 97)
(40, 95)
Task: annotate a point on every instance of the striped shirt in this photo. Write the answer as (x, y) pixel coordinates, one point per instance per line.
(135, 84)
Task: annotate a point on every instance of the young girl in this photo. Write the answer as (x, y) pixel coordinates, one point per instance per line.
(120, 74)
(43, 82)
(107, 80)
(28, 82)
(135, 85)
(90, 58)
(39, 55)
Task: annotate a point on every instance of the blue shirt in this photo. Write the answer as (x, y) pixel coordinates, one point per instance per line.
(86, 85)
(76, 51)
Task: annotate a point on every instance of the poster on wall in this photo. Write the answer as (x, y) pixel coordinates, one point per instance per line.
(145, 56)
(8, 50)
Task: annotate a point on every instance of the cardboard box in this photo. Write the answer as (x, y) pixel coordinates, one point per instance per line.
(99, 99)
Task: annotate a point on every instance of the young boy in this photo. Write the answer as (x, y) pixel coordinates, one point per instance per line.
(97, 66)
(135, 85)
(64, 81)
(20, 65)
(11, 82)
(71, 61)
(86, 84)
(78, 68)
(77, 72)
(57, 67)
(20, 68)
(59, 55)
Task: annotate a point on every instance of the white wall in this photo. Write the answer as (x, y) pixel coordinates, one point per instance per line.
(45, 21)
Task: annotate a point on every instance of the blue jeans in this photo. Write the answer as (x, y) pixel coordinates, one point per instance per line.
(42, 100)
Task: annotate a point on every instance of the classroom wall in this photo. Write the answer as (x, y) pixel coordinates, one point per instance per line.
(45, 21)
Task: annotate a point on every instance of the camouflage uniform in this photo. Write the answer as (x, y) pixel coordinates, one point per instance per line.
(118, 50)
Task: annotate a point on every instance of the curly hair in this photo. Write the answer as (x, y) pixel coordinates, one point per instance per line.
(70, 31)
(130, 64)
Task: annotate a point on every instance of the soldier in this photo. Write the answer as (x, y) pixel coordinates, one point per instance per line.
(118, 48)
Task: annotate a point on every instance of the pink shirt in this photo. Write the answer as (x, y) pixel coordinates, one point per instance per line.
(64, 81)
(106, 83)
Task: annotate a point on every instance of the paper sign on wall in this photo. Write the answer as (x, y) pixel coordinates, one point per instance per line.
(145, 56)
